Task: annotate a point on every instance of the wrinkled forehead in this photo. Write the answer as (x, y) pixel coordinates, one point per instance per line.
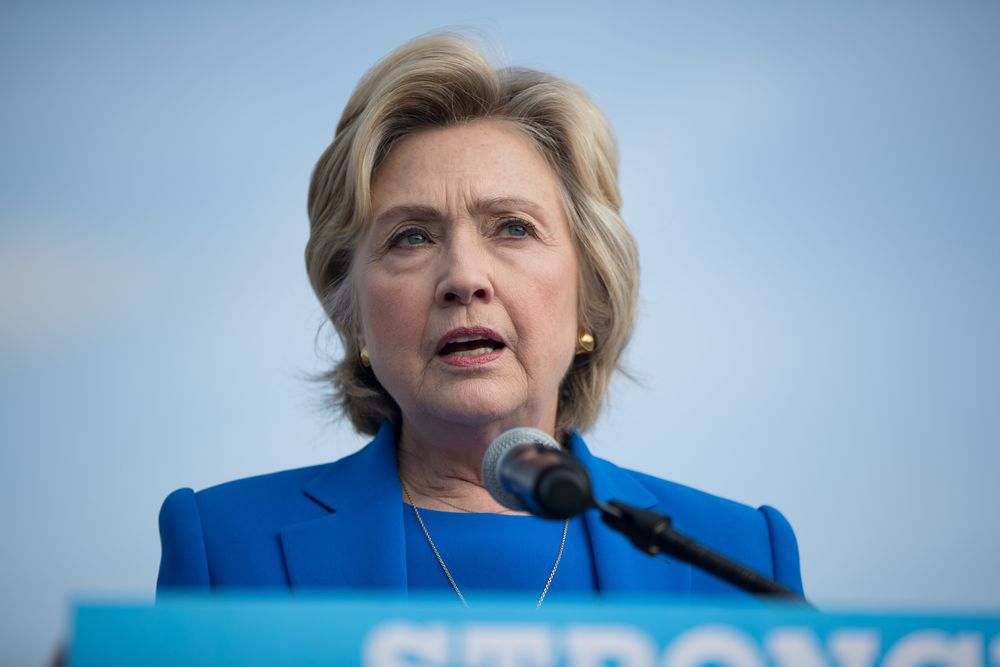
(473, 168)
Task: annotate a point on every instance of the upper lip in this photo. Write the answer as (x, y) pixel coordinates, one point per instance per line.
(461, 332)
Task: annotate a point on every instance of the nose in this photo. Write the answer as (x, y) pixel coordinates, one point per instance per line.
(465, 276)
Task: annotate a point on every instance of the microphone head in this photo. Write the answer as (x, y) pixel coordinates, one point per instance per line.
(499, 449)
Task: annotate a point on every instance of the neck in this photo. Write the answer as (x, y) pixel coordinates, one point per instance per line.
(442, 468)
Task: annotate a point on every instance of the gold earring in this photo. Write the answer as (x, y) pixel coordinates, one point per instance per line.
(584, 342)
(366, 360)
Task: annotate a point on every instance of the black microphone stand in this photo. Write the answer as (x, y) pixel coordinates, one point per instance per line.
(553, 484)
(654, 534)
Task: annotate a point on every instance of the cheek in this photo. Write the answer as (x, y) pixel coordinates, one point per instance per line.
(392, 334)
(395, 318)
(549, 313)
(388, 312)
(562, 283)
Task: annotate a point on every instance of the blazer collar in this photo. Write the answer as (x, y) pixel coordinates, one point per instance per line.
(362, 544)
(621, 568)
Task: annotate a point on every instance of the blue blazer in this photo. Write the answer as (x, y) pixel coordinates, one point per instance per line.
(340, 526)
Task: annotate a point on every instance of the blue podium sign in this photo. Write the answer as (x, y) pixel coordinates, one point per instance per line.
(438, 632)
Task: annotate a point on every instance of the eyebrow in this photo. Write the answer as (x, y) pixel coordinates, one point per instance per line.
(487, 205)
(504, 203)
(408, 211)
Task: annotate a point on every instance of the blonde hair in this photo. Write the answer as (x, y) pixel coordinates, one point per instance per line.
(444, 80)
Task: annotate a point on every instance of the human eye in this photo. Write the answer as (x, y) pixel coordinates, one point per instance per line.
(409, 238)
(516, 228)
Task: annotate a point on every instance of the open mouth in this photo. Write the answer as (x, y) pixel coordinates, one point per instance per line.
(470, 346)
(470, 342)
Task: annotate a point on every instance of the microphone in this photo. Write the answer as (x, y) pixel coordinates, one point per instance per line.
(525, 470)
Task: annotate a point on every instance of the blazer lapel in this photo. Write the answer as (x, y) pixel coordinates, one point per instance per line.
(361, 543)
(621, 567)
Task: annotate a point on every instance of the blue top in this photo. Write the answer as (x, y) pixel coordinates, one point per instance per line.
(341, 526)
(497, 552)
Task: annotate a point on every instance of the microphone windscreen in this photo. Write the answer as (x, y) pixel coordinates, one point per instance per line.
(499, 449)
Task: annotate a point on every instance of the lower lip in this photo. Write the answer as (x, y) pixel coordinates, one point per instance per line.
(463, 361)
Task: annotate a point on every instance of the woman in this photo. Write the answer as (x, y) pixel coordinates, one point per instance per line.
(466, 244)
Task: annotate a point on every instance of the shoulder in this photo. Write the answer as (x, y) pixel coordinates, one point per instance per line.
(687, 506)
(688, 500)
(696, 510)
(760, 537)
(221, 535)
(261, 501)
(230, 534)
(269, 493)
(285, 493)
(248, 493)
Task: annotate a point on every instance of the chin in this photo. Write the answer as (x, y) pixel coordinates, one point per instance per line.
(470, 416)
(472, 409)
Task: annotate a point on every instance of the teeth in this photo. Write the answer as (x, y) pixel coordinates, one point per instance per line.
(465, 339)
(472, 353)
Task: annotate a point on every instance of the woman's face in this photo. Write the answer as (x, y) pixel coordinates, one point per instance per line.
(467, 279)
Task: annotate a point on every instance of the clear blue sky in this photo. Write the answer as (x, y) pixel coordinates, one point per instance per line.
(816, 194)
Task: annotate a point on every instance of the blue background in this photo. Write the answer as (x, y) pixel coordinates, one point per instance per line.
(816, 194)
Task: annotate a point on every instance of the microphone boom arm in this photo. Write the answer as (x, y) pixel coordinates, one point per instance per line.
(525, 469)
(653, 533)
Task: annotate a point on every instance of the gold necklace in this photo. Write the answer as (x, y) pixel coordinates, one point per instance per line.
(447, 573)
